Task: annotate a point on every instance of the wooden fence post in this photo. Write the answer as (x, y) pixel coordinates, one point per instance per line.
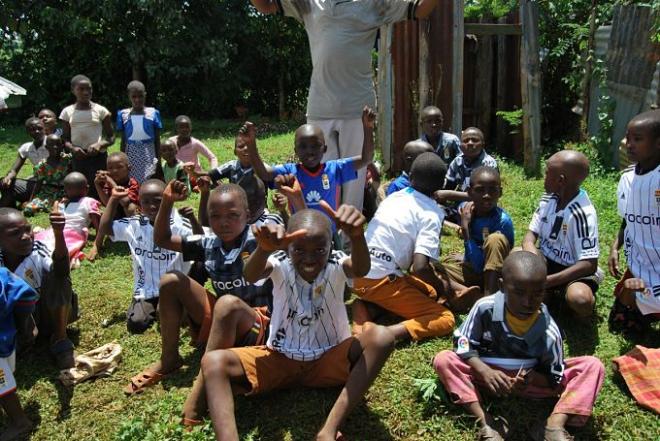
(424, 82)
(385, 84)
(530, 82)
(458, 38)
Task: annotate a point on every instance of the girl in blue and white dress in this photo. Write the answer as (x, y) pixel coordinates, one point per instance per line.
(140, 127)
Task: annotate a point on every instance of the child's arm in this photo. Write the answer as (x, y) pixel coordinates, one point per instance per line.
(189, 213)
(270, 237)
(581, 268)
(60, 254)
(107, 140)
(207, 153)
(100, 180)
(352, 221)
(496, 381)
(122, 143)
(466, 211)
(76, 151)
(368, 123)
(289, 186)
(281, 204)
(163, 237)
(529, 242)
(423, 269)
(204, 185)
(159, 164)
(444, 196)
(105, 224)
(613, 259)
(249, 134)
(13, 172)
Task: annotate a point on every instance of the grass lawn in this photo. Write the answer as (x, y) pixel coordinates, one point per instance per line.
(396, 407)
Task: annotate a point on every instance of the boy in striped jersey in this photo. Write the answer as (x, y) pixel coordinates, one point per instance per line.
(310, 343)
(47, 272)
(566, 226)
(150, 262)
(510, 345)
(637, 294)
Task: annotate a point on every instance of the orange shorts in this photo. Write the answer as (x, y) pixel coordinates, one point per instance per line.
(257, 335)
(268, 370)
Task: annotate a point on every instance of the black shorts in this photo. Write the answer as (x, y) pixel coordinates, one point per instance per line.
(592, 281)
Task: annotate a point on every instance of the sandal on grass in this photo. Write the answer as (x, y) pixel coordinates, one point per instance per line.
(143, 380)
(190, 423)
(62, 351)
(541, 432)
(498, 430)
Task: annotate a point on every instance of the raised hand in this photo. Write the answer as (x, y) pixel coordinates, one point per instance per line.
(118, 193)
(189, 168)
(188, 213)
(347, 218)
(101, 177)
(467, 211)
(175, 191)
(279, 201)
(368, 118)
(274, 237)
(57, 218)
(288, 185)
(248, 133)
(204, 184)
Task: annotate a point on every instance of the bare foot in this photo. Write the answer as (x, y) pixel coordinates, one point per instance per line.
(325, 435)
(463, 300)
(15, 430)
(93, 253)
(360, 314)
(165, 367)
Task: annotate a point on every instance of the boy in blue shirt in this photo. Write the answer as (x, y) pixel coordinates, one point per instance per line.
(487, 231)
(318, 180)
(17, 300)
(445, 145)
(411, 150)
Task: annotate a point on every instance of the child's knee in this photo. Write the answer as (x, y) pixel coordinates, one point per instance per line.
(214, 363)
(380, 337)
(580, 298)
(227, 305)
(170, 282)
(496, 240)
(442, 361)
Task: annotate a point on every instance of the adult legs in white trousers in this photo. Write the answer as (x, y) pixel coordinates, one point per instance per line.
(344, 138)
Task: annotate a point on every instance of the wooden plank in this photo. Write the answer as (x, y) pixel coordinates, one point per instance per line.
(501, 129)
(385, 88)
(484, 85)
(458, 39)
(530, 83)
(493, 29)
(424, 80)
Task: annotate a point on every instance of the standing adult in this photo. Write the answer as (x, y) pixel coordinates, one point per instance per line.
(341, 35)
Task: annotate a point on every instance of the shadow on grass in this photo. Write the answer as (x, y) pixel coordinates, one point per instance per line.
(580, 335)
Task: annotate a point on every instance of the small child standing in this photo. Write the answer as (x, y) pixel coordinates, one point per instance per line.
(405, 234)
(637, 295)
(235, 169)
(310, 342)
(87, 129)
(49, 174)
(411, 150)
(80, 212)
(173, 168)
(566, 226)
(16, 304)
(140, 127)
(510, 345)
(488, 236)
(445, 145)
(472, 156)
(190, 148)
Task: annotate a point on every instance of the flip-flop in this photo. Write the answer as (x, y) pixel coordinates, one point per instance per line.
(142, 381)
(189, 423)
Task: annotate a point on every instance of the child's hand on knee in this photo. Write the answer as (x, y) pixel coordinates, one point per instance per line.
(274, 237)
(630, 287)
(347, 218)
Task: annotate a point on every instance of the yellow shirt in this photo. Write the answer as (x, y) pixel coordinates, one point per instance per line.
(520, 326)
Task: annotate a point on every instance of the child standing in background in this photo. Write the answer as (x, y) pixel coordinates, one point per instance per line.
(49, 121)
(445, 145)
(173, 169)
(87, 131)
(190, 148)
(140, 127)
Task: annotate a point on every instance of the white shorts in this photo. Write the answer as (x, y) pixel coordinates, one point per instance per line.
(7, 380)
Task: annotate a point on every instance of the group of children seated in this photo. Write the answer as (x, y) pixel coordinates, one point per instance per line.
(275, 316)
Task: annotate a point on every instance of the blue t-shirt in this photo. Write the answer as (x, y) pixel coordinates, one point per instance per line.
(325, 184)
(15, 295)
(480, 228)
(397, 184)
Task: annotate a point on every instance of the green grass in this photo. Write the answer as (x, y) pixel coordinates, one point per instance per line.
(394, 408)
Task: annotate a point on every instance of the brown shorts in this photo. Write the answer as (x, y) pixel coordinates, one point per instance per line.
(258, 333)
(268, 370)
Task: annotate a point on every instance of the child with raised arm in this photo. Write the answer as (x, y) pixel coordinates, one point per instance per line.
(140, 128)
(234, 170)
(405, 235)
(487, 232)
(47, 272)
(566, 226)
(16, 303)
(150, 261)
(236, 313)
(411, 150)
(309, 343)
(445, 145)
(510, 345)
(87, 130)
(637, 295)
(189, 148)
(320, 181)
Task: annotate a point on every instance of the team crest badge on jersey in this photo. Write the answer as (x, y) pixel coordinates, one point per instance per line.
(564, 229)
(319, 290)
(245, 255)
(657, 197)
(29, 274)
(462, 345)
(326, 181)
(3, 381)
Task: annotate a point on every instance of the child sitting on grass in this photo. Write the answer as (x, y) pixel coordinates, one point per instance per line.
(47, 272)
(87, 130)
(510, 345)
(117, 174)
(190, 148)
(445, 145)
(16, 304)
(637, 295)
(309, 343)
(411, 150)
(150, 261)
(80, 212)
(405, 235)
(472, 156)
(49, 174)
(234, 170)
(222, 253)
(49, 121)
(566, 226)
(488, 235)
(173, 169)
(318, 180)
